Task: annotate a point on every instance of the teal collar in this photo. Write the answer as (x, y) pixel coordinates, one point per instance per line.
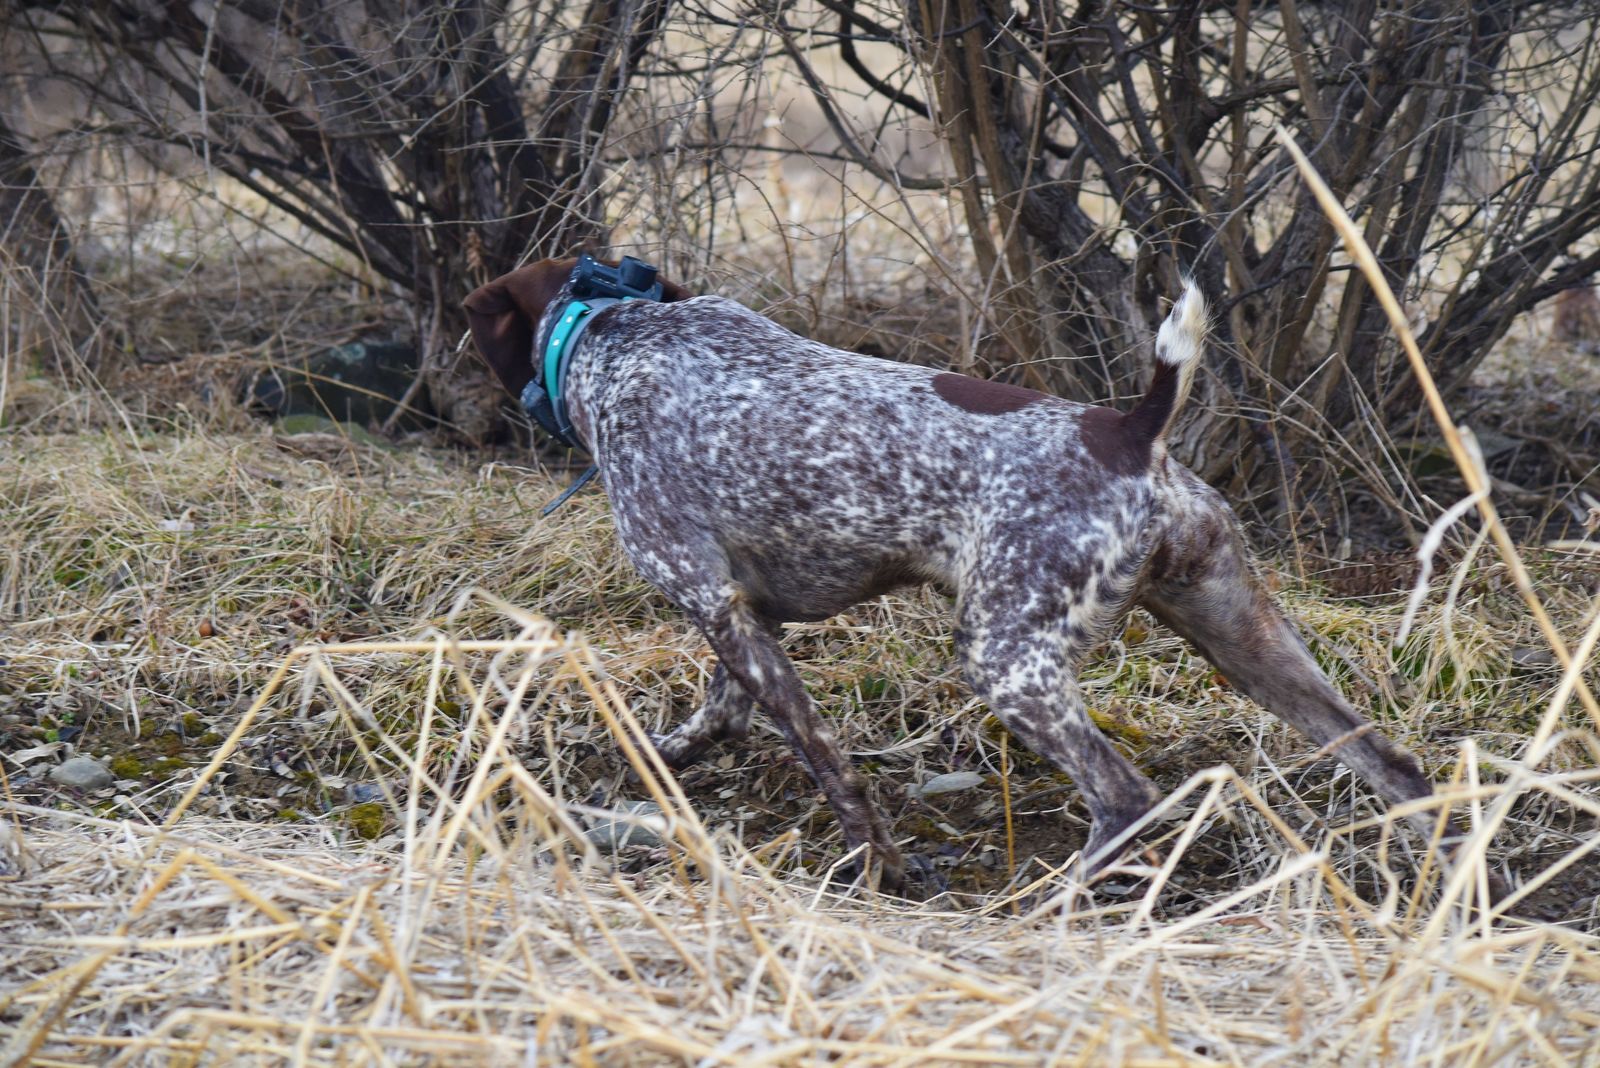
(593, 287)
(545, 397)
(564, 338)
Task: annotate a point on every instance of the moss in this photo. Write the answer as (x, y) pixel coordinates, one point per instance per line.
(127, 766)
(193, 725)
(210, 739)
(925, 829)
(874, 687)
(168, 766)
(366, 819)
(1120, 729)
(316, 424)
(288, 815)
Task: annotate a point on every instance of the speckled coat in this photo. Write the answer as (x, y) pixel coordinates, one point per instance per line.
(758, 477)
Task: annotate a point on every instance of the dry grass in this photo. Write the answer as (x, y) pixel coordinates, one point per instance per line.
(385, 862)
(363, 705)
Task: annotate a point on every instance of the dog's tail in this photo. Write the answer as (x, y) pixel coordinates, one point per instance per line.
(1179, 344)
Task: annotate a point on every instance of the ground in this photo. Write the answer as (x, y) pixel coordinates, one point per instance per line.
(270, 629)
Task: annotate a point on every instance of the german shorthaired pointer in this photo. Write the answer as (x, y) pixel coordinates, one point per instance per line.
(757, 477)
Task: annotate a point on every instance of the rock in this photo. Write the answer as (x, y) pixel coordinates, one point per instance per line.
(359, 383)
(949, 783)
(14, 856)
(1532, 657)
(82, 773)
(359, 793)
(637, 824)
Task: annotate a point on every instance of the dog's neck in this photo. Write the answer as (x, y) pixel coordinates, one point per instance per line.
(560, 334)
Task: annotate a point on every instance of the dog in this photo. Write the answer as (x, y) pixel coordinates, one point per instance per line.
(757, 478)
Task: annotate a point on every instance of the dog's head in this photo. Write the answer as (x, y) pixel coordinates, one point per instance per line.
(504, 314)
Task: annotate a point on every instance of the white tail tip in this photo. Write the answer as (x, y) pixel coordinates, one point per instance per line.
(1183, 335)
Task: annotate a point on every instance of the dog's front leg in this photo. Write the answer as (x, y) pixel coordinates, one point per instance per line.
(678, 557)
(723, 716)
(746, 647)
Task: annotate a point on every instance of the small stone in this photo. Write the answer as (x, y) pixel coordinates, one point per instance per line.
(82, 773)
(624, 829)
(1532, 657)
(360, 793)
(949, 783)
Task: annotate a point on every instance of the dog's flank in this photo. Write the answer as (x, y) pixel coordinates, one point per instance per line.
(757, 477)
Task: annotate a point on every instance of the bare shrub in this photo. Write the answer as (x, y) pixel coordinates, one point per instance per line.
(1100, 150)
(51, 309)
(435, 145)
(1036, 178)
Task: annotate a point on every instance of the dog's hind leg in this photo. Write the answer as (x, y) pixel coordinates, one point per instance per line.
(1200, 583)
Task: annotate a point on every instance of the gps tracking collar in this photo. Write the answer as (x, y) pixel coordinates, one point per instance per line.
(594, 287)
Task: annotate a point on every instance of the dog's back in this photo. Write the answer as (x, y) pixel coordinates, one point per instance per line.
(827, 476)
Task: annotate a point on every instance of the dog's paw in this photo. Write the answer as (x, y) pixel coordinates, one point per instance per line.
(679, 750)
(671, 750)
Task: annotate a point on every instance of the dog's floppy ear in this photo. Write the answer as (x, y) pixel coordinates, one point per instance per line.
(503, 314)
(671, 291)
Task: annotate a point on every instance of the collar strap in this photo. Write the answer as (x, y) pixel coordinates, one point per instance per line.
(544, 398)
(591, 288)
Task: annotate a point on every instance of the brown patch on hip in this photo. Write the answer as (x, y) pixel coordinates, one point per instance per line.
(1109, 441)
(982, 397)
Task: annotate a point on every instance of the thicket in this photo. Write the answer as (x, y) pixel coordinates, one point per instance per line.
(1091, 152)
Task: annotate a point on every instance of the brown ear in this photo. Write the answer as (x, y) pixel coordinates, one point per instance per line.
(503, 314)
(672, 291)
